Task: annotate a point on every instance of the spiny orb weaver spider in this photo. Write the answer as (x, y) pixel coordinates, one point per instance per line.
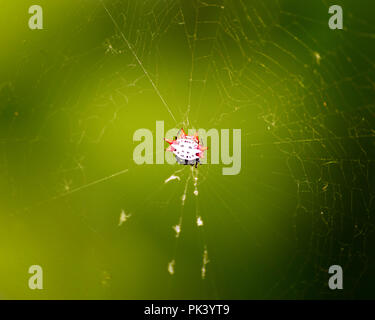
(187, 149)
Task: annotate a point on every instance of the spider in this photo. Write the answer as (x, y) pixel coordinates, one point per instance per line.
(187, 149)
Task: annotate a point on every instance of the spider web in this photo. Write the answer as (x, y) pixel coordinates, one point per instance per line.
(303, 96)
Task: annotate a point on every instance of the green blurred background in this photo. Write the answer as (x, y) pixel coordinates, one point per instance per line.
(73, 94)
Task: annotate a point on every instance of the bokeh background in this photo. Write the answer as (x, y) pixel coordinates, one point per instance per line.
(73, 94)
